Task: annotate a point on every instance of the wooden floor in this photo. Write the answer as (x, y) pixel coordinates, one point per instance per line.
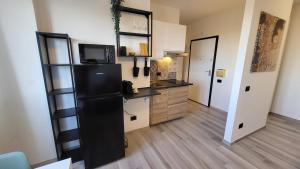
(196, 142)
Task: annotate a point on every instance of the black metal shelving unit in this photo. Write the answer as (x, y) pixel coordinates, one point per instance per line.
(56, 114)
(148, 35)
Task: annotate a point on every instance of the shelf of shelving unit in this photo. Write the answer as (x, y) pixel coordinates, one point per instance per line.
(61, 91)
(135, 11)
(63, 113)
(134, 34)
(47, 67)
(148, 35)
(73, 153)
(136, 56)
(53, 35)
(69, 135)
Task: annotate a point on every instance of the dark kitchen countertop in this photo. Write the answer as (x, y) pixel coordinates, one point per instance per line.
(164, 84)
(152, 91)
(143, 92)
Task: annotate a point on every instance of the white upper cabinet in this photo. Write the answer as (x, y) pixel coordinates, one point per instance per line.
(167, 37)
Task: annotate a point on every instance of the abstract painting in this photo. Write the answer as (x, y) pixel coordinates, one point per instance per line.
(268, 43)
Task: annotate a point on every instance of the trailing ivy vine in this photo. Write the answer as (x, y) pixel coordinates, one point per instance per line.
(116, 13)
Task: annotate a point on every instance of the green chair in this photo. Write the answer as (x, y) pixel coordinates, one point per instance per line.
(14, 160)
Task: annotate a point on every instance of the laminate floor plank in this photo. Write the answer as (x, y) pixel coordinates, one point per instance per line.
(196, 142)
(283, 155)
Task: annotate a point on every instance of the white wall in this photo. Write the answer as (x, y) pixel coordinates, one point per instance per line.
(7, 128)
(252, 108)
(25, 123)
(286, 100)
(138, 107)
(228, 26)
(165, 13)
(93, 24)
(90, 22)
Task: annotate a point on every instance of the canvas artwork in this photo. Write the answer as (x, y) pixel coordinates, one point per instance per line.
(268, 43)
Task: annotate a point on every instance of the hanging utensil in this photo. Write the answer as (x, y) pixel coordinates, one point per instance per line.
(135, 69)
(146, 68)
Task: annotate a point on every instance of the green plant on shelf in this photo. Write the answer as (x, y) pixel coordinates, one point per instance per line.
(116, 13)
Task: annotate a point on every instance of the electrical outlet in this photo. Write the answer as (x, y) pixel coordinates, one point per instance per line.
(132, 118)
(247, 89)
(241, 125)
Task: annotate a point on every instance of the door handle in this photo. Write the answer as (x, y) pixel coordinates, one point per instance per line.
(209, 72)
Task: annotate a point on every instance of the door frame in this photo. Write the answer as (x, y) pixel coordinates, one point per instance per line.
(213, 66)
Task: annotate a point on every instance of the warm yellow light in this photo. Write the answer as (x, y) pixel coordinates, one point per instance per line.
(185, 54)
(167, 59)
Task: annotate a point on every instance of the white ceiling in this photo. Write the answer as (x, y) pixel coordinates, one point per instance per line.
(191, 10)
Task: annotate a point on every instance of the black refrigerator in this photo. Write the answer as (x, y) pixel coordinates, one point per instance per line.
(100, 110)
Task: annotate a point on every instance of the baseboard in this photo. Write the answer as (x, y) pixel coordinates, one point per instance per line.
(219, 110)
(43, 163)
(196, 102)
(284, 117)
(230, 144)
(227, 143)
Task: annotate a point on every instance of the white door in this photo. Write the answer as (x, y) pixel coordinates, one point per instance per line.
(201, 69)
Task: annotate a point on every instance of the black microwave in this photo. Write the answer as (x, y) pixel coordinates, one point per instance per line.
(99, 54)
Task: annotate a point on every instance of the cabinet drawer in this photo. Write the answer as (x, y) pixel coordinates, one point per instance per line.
(159, 103)
(177, 100)
(163, 97)
(177, 95)
(159, 110)
(158, 118)
(178, 90)
(160, 99)
(175, 116)
(177, 108)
